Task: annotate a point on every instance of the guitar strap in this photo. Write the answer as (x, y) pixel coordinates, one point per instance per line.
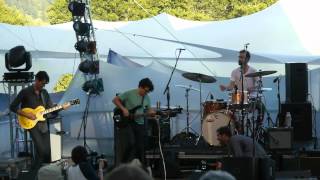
(43, 99)
(142, 101)
(43, 126)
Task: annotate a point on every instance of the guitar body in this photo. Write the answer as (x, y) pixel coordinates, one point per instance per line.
(39, 112)
(26, 123)
(120, 121)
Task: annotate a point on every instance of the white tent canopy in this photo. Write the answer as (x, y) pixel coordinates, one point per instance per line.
(284, 32)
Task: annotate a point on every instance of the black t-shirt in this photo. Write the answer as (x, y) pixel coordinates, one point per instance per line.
(27, 98)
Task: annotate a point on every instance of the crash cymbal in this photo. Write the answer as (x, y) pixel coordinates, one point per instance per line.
(199, 77)
(187, 87)
(260, 73)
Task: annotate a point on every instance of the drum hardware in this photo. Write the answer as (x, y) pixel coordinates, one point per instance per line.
(187, 89)
(257, 129)
(201, 78)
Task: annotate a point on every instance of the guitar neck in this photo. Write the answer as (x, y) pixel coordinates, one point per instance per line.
(56, 108)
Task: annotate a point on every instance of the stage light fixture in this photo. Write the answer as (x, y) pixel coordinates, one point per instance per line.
(91, 67)
(16, 57)
(82, 29)
(94, 86)
(77, 8)
(85, 46)
(81, 45)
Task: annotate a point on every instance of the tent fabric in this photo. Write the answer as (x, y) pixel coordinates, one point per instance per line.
(117, 59)
(285, 32)
(278, 33)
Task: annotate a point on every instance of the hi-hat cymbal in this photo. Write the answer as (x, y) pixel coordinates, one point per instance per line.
(260, 73)
(262, 89)
(199, 77)
(187, 87)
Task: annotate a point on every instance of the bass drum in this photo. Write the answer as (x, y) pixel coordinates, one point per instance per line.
(212, 122)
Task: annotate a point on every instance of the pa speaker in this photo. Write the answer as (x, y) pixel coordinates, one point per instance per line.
(296, 82)
(301, 114)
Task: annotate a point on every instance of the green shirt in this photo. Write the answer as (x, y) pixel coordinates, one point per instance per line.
(132, 99)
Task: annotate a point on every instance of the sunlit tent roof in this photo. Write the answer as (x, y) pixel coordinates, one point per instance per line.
(284, 32)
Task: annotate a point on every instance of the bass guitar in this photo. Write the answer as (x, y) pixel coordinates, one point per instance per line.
(39, 112)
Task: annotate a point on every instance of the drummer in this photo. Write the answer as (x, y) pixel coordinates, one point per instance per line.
(235, 79)
(249, 83)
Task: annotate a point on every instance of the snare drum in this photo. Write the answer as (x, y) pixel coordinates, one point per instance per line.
(235, 98)
(212, 122)
(213, 106)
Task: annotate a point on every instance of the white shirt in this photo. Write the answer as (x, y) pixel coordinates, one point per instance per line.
(248, 83)
(74, 173)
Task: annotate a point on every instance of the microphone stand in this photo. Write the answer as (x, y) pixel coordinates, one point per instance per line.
(167, 89)
(242, 98)
(279, 103)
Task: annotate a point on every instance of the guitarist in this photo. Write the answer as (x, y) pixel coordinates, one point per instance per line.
(32, 97)
(131, 136)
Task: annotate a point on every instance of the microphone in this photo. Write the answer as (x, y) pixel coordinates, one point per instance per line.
(246, 46)
(181, 49)
(276, 79)
(236, 88)
(211, 96)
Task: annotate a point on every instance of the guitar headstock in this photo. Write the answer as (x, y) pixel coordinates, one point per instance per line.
(74, 101)
(70, 103)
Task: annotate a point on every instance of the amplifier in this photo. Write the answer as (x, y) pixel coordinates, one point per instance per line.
(279, 138)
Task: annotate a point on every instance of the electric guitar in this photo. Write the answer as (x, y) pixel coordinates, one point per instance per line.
(39, 112)
(121, 121)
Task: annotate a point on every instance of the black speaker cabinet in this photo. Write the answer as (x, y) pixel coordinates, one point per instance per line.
(296, 82)
(241, 168)
(301, 114)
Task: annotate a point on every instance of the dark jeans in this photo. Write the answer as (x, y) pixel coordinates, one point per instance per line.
(41, 140)
(130, 143)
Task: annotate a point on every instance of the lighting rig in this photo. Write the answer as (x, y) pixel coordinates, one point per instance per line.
(86, 45)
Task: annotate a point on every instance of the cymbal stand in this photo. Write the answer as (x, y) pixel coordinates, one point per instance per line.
(188, 113)
(258, 98)
(201, 115)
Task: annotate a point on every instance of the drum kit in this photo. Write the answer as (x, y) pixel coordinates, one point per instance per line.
(218, 113)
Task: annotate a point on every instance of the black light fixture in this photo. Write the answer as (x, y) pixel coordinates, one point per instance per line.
(85, 46)
(18, 61)
(81, 45)
(94, 86)
(82, 29)
(91, 67)
(77, 8)
(17, 57)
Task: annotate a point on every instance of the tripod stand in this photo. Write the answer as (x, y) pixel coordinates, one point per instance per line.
(188, 113)
(84, 123)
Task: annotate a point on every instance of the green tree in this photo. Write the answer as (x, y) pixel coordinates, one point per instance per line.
(58, 12)
(12, 15)
(63, 82)
(125, 10)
